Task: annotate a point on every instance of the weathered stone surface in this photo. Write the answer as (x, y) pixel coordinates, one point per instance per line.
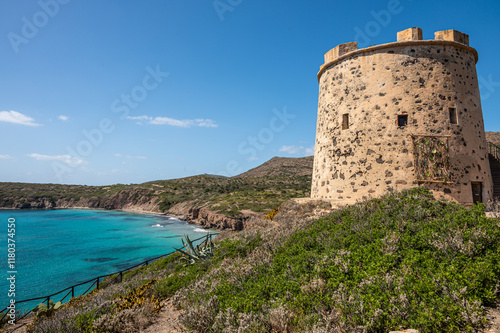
(410, 34)
(453, 35)
(374, 102)
(340, 50)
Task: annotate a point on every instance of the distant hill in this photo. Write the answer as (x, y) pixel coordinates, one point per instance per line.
(493, 137)
(282, 166)
(209, 200)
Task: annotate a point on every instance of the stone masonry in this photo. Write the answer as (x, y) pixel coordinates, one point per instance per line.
(400, 115)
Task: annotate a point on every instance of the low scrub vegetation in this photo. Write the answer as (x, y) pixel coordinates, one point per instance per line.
(402, 261)
(227, 196)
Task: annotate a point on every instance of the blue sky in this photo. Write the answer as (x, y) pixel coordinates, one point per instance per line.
(121, 91)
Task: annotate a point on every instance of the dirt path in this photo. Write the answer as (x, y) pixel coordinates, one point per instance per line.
(493, 315)
(167, 321)
(19, 327)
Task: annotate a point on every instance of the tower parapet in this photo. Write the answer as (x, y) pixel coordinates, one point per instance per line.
(340, 50)
(410, 34)
(399, 115)
(452, 35)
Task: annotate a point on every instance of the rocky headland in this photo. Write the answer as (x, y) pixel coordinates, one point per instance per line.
(211, 201)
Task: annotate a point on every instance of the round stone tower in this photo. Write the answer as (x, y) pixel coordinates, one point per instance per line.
(400, 115)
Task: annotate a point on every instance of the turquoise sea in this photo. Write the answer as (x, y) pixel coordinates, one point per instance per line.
(55, 249)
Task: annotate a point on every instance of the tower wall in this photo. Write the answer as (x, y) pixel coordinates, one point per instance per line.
(400, 115)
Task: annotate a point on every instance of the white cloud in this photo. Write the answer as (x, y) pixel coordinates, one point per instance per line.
(294, 150)
(205, 123)
(15, 117)
(63, 117)
(6, 157)
(67, 159)
(309, 151)
(174, 122)
(136, 157)
(297, 150)
(252, 158)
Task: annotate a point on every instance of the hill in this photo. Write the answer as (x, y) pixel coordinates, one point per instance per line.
(493, 137)
(211, 201)
(402, 261)
(282, 167)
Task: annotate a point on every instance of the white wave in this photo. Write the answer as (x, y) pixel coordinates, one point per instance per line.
(157, 226)
(201, 230)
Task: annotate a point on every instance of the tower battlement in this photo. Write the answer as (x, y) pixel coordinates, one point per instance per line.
(408, 36)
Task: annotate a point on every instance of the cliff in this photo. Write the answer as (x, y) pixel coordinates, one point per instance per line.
(187, 210)
(210, 201)
(123, 200)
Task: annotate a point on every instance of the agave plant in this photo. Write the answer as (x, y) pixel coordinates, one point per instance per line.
(202, 251)
(43, 310)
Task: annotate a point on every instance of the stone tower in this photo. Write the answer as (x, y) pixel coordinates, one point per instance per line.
(400, 115)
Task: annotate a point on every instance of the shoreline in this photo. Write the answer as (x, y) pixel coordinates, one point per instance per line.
(136, 211)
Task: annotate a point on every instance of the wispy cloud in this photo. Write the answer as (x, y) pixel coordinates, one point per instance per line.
(174, 122)
(137, 157)
(6, 157)
(67, 159)
(63, 117)
(15, 117)
(297, 150)
(309, 151)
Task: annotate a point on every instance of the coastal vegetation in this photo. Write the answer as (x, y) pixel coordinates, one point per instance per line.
(402, 261)
(260, 190)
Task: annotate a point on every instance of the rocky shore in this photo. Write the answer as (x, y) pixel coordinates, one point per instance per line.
(186, 211)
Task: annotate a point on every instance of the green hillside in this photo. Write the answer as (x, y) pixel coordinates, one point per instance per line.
(402, 261)
(258, 191)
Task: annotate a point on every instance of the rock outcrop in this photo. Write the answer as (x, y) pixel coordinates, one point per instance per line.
(187, 210)
(205, 217)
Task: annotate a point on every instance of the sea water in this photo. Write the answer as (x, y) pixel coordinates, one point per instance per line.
(55, 249)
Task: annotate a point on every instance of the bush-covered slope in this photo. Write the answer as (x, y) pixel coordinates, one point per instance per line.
(402, 261)
(222, 199)
(282, 166)
(229, 197)
(493, 137)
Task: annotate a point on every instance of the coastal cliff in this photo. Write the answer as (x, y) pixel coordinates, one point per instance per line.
(210, 201)
(187, 211)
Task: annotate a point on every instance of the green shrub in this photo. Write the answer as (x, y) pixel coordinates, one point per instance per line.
(83, 321)
(405, 260)
(402, 261)
(183, 277)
